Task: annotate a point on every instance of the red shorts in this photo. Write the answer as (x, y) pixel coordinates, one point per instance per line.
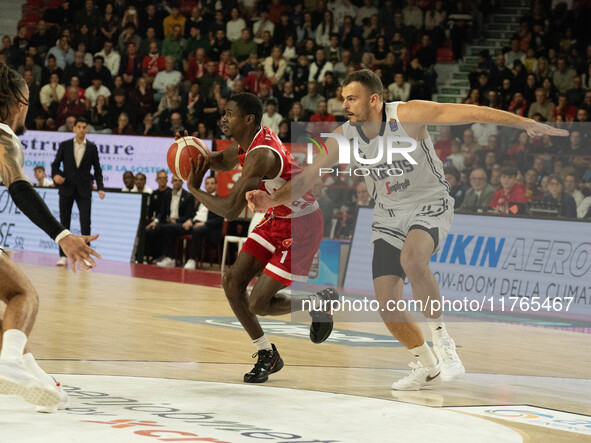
(286, 246)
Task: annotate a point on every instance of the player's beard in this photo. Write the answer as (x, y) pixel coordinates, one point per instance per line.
(20, 130)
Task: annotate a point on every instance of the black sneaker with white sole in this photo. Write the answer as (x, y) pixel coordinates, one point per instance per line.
(269, 362)
(322, 321)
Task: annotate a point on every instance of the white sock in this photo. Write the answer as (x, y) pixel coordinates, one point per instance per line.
(34, 369)
(437, 329)
(425, 355)
(262, 343)
(13, 345)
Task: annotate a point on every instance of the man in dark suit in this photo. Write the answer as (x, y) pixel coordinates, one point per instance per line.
(206, 224)
(78, 155)
(480, 193)
(157, 196)
(174, 219)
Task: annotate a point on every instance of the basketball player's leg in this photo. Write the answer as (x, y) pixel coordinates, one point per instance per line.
(22, 303)
(264, 299)
(388, 290)
(417, 250)
(414, 258)
(235, 283)
(34, 369)
(388, 279)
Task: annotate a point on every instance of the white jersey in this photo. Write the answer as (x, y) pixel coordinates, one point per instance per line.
(409, 184)
(20, 158)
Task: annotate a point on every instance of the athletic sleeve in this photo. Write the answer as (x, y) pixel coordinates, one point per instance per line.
(33, 206)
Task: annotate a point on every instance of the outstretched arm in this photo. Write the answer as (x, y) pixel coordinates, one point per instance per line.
(259, 163)
(419, 111)
(33, 206)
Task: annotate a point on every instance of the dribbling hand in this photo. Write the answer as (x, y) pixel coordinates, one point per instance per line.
(77, 250)
(197, 173)
(177, 135)
(258, 201)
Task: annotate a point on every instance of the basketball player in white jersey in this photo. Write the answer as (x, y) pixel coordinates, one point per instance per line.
(413, 211)
(19, 372)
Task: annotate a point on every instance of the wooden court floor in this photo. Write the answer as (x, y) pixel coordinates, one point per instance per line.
(95, 323)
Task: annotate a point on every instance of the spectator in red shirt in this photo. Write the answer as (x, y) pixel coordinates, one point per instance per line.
(276, 8)
(518, 105)
(443, 145)
(322, 118)
(196, 64)
(70, 105)
(510, 193)
(253, 82)
(153, 63)
(564, 109)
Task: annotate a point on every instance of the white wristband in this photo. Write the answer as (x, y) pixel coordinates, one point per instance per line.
(62, 235)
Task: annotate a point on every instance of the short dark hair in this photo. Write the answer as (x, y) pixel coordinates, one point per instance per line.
(249, 103)
(80, 120)
(39, 168)
(452, 170)
(368, 79)
(509, 171)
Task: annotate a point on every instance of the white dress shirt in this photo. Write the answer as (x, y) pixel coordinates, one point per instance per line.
(174, 204)
(79, 150)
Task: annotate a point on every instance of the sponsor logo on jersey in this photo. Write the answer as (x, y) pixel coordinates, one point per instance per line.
(393, 125)
(398, 186)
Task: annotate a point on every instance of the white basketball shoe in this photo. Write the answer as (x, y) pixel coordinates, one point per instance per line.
(451, 365)
(419, 376)
(15, 380)
(63, 404)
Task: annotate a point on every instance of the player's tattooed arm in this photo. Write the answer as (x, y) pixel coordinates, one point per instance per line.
(10, 169)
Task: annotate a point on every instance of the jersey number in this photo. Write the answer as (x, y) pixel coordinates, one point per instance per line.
(283, 256)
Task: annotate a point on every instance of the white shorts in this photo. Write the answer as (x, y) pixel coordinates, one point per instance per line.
(392, 225)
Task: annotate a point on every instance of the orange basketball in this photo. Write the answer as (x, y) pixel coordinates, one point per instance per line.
(180, 153)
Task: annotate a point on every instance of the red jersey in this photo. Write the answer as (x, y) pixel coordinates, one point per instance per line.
(501, 200)
(265, 138)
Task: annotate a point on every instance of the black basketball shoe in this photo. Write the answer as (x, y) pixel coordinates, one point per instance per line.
(322, 321)
(269, 362)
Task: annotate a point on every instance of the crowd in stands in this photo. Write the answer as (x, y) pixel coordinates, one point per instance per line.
(155, 68)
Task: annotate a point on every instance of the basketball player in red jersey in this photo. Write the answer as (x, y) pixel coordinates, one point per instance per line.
(282, 245)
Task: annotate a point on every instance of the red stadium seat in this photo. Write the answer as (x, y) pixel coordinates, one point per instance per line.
(445, 55)
(36, 6)
(30, 19)
(53, 4)
(185, 7)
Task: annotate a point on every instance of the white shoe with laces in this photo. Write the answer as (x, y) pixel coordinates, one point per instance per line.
(191, 264)
(419, 376)
(63, 261)
(15, 380)
(451, 365)
(166, 262)
(63, 404)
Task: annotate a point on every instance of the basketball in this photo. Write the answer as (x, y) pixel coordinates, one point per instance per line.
(180, 153)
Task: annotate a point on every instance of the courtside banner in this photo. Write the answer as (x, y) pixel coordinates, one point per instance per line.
(115, 218)
(117, 154)
(508, 266)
